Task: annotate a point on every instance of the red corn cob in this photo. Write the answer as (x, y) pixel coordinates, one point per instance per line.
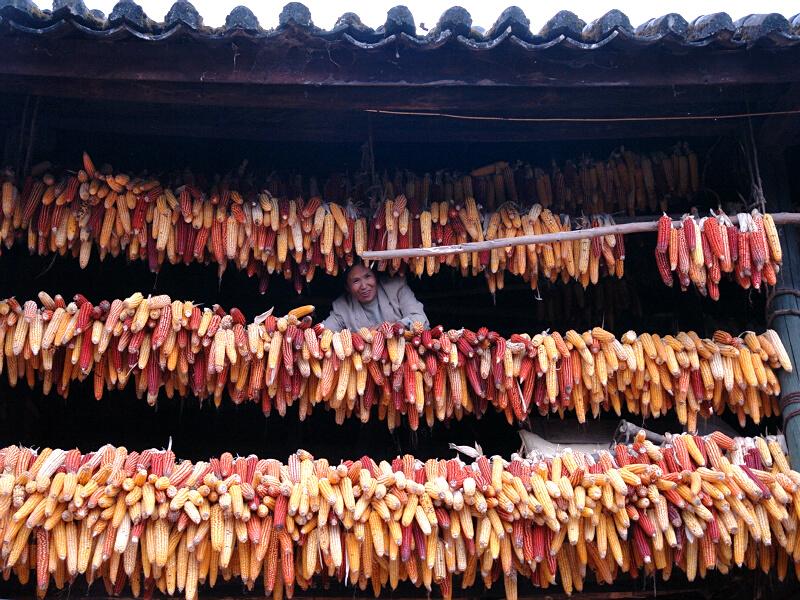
(755, 278)
(743, 246)
(662, 262)
(758, 244)
(641, 544)
(689, 232)
(32, 201)
(733, 242)
(683, 255)
(712, 231)
(42, 559)
(664, 226)
(84, 313)
(765, 492)
(85, 360)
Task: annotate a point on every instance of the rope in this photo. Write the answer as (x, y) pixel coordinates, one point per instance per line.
(790, 399)
(745, 115)
(782, 292)
(783, 312)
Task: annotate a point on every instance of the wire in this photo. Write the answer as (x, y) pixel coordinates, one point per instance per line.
(729, 116)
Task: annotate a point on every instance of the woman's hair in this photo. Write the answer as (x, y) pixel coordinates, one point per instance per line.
(357, 263)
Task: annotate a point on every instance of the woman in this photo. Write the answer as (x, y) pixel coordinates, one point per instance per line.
(370, 302)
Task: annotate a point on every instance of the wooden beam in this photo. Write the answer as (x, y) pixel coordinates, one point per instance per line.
(337, 113)
(516, 100)
(545, 238)
(353, 127)
(783, 307)
(311, 61)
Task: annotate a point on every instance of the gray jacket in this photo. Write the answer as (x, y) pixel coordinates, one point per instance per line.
(396, 301)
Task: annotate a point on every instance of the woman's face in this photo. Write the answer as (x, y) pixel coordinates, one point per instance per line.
(361, 284)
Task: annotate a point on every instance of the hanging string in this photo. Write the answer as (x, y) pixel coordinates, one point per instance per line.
(375, 191)
(721, 117)
(757, 191)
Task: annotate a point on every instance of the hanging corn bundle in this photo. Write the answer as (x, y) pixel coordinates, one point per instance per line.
(416, 374)
(146, 521)
(626, 182)
(700, 252)
(272, 229)
(582, 260)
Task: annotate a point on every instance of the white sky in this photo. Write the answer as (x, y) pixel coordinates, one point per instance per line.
(373, 13)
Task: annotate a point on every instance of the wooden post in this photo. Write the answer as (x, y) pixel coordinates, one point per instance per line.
(783, 307)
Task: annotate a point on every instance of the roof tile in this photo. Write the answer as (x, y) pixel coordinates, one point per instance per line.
(565, 29)
(128, 10)
(183, 12)
(613, 20)
(706, 26)
(75, 7)
(455, 19)
(753, 27)
(672, 23)
(514, 18)
(563, 23)
(241, 17)
(399, 20)
(296, 13)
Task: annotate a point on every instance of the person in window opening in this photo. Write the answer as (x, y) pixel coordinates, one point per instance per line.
(370, 301)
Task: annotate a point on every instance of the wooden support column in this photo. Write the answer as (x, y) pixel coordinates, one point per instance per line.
(783, 309)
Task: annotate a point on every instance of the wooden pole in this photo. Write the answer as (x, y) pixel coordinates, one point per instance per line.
(784, 218)
(783, 305)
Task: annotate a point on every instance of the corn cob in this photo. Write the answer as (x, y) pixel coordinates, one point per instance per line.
(613, 513)
(433, 372)
(262, 232)
(752, 254)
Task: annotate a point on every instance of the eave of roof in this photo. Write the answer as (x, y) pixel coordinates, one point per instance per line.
(566, 30)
